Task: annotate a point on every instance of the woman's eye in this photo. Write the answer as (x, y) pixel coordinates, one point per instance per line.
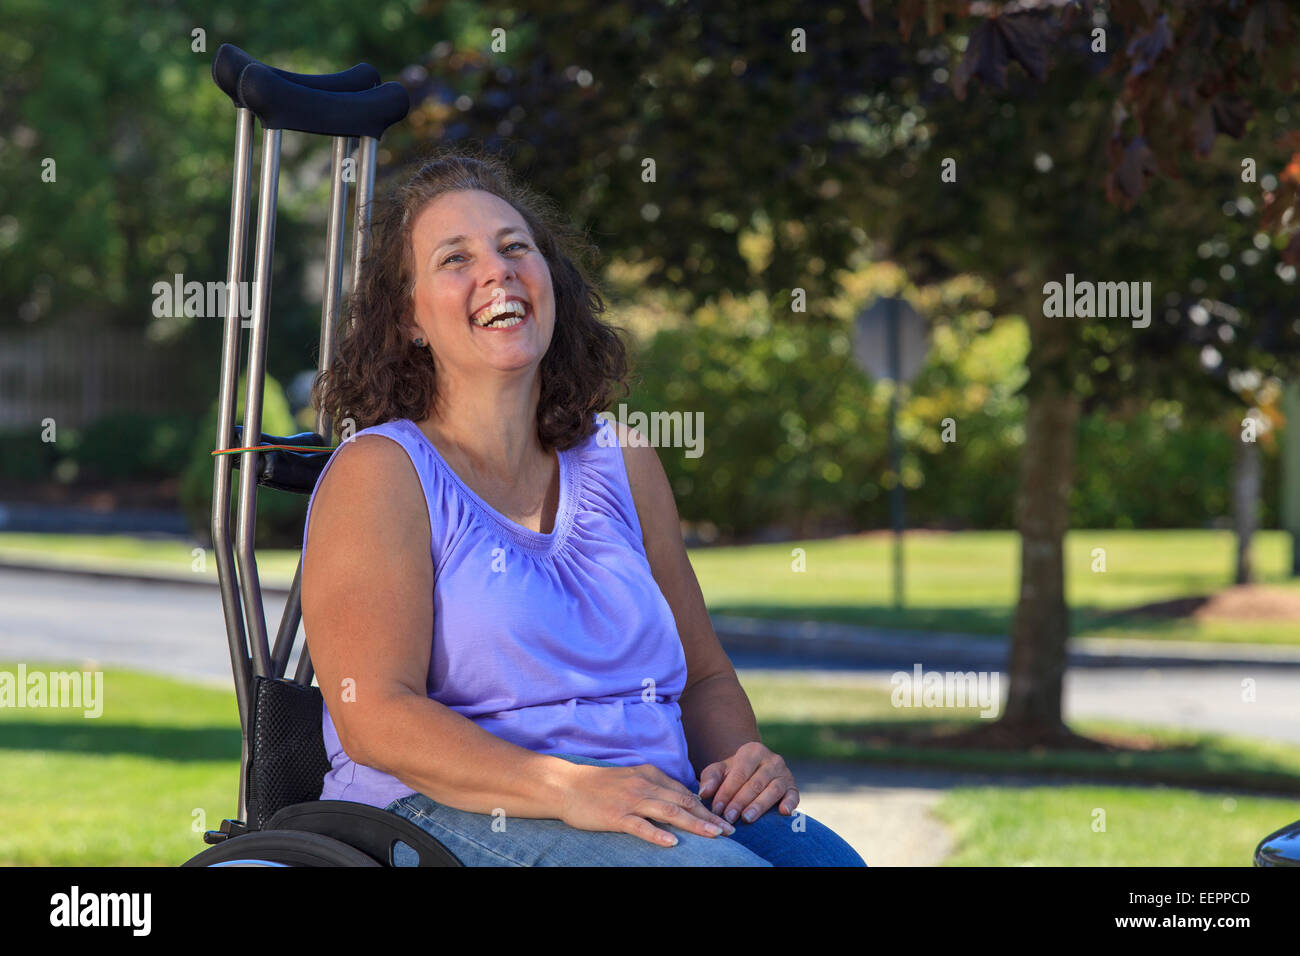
(515, 243)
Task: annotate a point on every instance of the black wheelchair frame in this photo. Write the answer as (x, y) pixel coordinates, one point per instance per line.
(280, 820)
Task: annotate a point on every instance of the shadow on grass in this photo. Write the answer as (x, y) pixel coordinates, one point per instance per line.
(181, 744)
(1127, 623)
(991, 621)
(975, 621)
(960, 745)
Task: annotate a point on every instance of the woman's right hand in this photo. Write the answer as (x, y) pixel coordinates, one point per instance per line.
(626, 799)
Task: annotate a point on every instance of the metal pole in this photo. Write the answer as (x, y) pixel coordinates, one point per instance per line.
(333, 291)
(226, 575)
(255, 616)
(896, 493)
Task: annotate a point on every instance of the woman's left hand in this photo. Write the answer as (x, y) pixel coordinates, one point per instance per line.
(748, 783)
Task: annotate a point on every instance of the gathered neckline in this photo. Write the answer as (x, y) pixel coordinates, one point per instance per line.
(547, 543)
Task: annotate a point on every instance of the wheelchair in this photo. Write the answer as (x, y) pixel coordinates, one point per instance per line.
(280, 820)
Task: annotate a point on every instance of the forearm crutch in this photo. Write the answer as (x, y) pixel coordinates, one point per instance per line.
(347, 105)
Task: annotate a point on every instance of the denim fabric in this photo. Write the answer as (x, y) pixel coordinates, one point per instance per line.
(771, 840)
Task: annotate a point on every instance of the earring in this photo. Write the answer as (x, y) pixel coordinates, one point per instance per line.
(419, 342)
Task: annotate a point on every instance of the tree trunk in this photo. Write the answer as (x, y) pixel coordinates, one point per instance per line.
(1041, 626)
(1245, 504)
(1291, 471)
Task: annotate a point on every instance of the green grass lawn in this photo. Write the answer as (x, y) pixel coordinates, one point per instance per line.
(126, 553)
(1148, 826)
(139, 784)
(963, 582)
(968, 582)
(135, 786)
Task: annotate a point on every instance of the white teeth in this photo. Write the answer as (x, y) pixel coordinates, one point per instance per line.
(490, 313)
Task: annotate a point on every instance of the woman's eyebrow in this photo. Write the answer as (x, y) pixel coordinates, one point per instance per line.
(451, 240)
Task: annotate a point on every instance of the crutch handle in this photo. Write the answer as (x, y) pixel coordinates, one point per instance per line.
(230, 62)
(282, 104)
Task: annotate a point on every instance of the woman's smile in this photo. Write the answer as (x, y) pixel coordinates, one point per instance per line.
(505, 322)
(502, 313)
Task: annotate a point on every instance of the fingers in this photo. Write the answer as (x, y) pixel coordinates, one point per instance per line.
(774, 791)
(735, 774)
(736, 778)
(685, 811)
(680, 810)
(686, 799)
(710, 777)
(770, 784)
(790, 800)
(643, 828)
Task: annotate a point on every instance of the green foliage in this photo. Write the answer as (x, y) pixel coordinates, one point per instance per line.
(117, 95)
(1154, 470)
(796, 437)
(962, 426)
(795, 434)
(26, 458)
(784, 417)
(133, 445)
(280, 515)
(121, 446)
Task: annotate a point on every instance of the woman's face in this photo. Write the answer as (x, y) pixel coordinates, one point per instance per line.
(472, 249)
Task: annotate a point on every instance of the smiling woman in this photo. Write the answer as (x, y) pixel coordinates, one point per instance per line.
(497, 600)
(380, 374)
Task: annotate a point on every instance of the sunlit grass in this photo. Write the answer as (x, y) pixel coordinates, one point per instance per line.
(139, 784)
(1143, 826)
(968, 582)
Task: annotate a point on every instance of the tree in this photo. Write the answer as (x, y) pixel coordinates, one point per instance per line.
(1191, 71)
(683, 135)
(115, 158)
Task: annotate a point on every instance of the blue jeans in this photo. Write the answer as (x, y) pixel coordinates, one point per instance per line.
(771, 840)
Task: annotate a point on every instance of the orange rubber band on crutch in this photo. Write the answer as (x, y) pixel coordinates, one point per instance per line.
(319, 449)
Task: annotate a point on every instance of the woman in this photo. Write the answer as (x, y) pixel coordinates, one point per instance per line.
(512, 647)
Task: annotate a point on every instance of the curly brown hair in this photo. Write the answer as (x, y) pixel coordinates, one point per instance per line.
(377, 376)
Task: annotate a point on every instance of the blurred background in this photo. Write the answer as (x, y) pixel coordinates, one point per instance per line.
(1102, 512)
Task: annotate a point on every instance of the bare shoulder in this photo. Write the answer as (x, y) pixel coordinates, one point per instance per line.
(642, 461)
(371, 491)
(367, 582)
(651, 492)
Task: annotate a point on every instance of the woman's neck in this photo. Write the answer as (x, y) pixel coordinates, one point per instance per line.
(495, 431)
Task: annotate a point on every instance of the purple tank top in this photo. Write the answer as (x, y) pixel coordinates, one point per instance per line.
(560, 642)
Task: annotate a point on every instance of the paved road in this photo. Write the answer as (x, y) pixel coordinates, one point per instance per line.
(179, 631)
(1207, 698)
(883, 813)
(162, 628)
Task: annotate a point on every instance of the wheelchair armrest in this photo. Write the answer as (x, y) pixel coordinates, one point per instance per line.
(369, 829)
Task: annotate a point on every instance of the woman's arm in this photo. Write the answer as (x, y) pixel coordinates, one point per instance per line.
(716, 715)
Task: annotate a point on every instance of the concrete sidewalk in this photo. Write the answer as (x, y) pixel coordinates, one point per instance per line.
(834, 640)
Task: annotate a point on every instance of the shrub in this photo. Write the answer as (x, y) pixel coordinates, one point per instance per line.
(134, 445)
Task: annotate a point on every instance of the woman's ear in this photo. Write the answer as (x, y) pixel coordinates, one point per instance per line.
(410, 330)
(412, 333)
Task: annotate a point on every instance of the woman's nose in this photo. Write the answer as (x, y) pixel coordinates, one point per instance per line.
(495, 270)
